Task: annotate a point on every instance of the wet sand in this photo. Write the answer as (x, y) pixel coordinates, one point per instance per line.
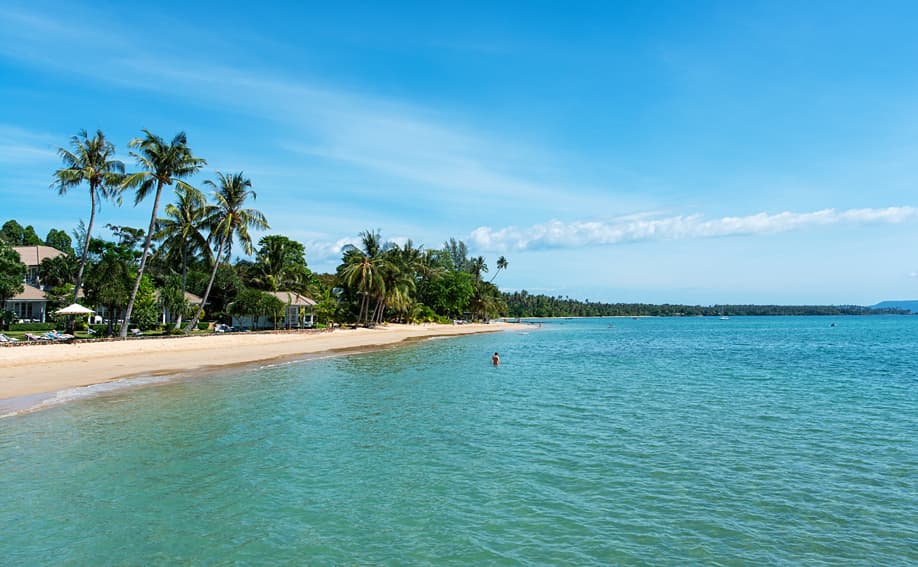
(39, 369)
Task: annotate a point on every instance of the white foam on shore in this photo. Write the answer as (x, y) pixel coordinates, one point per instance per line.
(38, 402)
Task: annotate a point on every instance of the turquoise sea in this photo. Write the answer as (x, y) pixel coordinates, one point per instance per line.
(608, 441)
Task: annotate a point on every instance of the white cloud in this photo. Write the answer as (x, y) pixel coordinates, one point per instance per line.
(558, 234)
(19, 146)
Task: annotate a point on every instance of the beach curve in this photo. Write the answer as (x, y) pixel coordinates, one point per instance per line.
(29, 371)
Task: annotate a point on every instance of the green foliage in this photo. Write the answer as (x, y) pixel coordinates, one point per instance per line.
(146, 308)
(12, 233)
(226, 285)
(28, 327)
(60, 240)
(6, 318)
(128, 237)
(253, 303)
(162, 164)
(172, 298)
(230, 220)
(523, 304)
(58, 271)
(280, 265)
(450, 294)
(12, 272)
(109, 279)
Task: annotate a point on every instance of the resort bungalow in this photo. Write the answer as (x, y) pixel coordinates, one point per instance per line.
(32, 303)
(192, 299)
(299, 313)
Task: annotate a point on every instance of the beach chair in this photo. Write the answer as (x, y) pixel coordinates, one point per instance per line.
(6, 339)
(136, 333)
(32, 337)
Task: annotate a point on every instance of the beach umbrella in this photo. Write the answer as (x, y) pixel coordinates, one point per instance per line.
(75, 309)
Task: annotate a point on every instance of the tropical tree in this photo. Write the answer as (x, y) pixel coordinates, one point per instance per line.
(12, 273)
(229, 219)
(108, 281)
(163, 164)
(181, 235)
(90, 161)
(501, 265)
(60, 240)
(477, 267)
(362, 271)
(12, 233)
(280, 265)
(57, 271)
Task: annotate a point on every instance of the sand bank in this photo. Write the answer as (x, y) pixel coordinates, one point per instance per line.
(37, 369)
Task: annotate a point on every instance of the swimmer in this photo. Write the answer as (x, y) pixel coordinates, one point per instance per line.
(495, 360)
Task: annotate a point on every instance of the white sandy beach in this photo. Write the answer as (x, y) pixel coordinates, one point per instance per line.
(37, 369)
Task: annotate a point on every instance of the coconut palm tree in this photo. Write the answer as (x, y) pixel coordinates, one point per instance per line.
(363, 270)
(181, 233)
(501, 265)
(91, 161)
(229, 219)
(477, 267)
(163, 164)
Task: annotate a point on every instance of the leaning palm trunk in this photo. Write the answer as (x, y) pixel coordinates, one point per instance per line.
(143, 261)
(92, 219)
(210, 283)
(178, 319)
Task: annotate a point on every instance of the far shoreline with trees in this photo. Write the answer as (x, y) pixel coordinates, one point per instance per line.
(138, 274)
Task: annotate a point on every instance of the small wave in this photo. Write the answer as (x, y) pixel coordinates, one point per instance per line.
(29, 404)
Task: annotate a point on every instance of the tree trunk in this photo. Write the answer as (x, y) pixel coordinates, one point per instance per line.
(210, 283)
(143, 261)
(92, 218)
(178, 319)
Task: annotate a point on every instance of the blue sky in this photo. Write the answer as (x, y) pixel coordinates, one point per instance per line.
(694, 152)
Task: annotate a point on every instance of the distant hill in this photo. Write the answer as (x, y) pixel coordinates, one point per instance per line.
(908, 304)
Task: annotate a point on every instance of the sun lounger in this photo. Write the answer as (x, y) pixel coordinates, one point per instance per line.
(136, 332)
(6, 339)
(32, 337)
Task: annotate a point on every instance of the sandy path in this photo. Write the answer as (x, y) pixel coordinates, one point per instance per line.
(37, 369)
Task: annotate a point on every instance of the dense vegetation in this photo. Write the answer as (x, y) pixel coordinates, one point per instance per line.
(187, 247)
(523, 304)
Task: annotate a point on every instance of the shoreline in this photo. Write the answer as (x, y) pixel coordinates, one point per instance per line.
(38, 373)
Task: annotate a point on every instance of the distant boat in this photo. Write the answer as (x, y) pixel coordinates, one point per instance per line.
(724, 318)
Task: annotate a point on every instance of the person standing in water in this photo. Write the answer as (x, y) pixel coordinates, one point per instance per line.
(495, 360)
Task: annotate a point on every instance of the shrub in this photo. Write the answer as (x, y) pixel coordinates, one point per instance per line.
(203, 326)
(33, 327)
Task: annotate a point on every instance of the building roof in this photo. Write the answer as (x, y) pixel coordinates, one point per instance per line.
(191, 298)
(30, 293)
(292, 298)
(33, 255)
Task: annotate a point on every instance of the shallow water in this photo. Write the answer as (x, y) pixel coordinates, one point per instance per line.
(663, 441)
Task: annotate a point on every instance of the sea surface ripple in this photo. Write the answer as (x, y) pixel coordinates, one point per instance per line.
(614, 441)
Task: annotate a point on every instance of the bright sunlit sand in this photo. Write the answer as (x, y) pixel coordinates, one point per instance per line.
(40, 369)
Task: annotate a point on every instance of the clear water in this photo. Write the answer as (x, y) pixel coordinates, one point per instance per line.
(661, 441)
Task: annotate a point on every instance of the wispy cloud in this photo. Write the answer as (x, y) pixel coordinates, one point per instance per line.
(434, 154)
(558, 234)
(21, 146)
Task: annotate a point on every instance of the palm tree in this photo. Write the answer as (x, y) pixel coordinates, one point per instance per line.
(363, 269)
(181, 233)
(163, 164)
(477, 266)
(501, 265)
(229, 219)
(91, 162)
